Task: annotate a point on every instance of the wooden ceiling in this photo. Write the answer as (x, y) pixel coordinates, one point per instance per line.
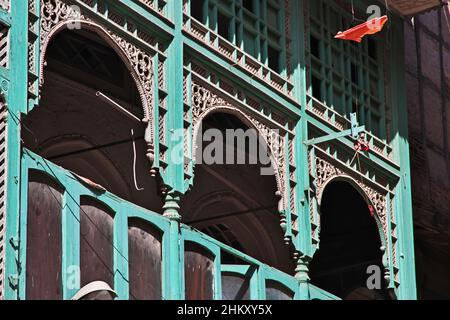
(411, 8)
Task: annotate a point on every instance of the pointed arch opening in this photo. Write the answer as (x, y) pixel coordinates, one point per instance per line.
(350, 245)
(75, 129)
(235, 197)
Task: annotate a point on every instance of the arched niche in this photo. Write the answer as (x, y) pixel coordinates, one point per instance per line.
(73, 128)
(351, 240)
(96, 242)
(43, 238)
(57, 16)
(235, 203)
(144, 260)
(272, 140)
(370, 204)
(199, 272)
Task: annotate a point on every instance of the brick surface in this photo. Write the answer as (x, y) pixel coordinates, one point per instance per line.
(410, 49)
(430, 58)
(414, 117)
(430, 166)
(433, 116)
(431, 21)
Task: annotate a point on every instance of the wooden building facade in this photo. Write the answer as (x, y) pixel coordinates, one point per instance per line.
(102, 105)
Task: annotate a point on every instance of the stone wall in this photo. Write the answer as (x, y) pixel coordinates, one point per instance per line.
(427, 39)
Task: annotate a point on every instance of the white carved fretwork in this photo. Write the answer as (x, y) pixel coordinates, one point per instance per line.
(56, 15)
(3, 156)
(205, 101)
(326, 171)
(4, 46)
(4, 4)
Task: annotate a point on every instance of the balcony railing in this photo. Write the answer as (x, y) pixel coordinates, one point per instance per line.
(221, 281)
(237, 56)
(339, 122)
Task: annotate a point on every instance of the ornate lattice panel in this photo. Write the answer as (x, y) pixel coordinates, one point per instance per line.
(144, 55)
(156, 5)
(344, 77)
(252, 35)
(4, 4)
(325, 168)
(4, 46)
(33, 36)
(3, 149)
(206, 91)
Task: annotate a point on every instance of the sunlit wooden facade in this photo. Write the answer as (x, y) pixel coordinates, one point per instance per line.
(77, 205)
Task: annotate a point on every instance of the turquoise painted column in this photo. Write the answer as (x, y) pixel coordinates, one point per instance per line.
(121, 272)
(70, 242)
(403, 201)
(17, 103)
(302, 276)
(171, 211)
(304, 241)
(174, 174)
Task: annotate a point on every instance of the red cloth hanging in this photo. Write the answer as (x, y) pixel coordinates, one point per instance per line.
(372, 210)
(357, 33)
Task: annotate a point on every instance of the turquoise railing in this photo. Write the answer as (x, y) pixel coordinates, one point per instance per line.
(73, 190)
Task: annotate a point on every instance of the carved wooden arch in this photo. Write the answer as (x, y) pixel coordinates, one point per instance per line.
(213, 104)
(57, 16)
(357, 186)
(378, 203)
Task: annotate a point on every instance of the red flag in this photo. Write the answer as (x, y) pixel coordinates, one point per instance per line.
(357, 33)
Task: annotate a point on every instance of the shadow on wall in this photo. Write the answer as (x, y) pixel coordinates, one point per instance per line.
(73, 128)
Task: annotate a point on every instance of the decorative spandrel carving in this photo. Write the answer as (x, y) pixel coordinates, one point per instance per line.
(3, 192)
(323, 171)
(326, 171)
(4, 4)
(205, 101)
(56, 15)
(142, 65)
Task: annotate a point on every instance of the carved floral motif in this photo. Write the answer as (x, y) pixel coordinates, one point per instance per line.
(326, 171)
(56, 14)
(205, 101)
(3, 193)
(4, 4)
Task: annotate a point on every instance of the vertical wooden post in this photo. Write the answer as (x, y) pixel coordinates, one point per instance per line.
(17, 103)
(171, 210)
(403, 205)
(302, 275)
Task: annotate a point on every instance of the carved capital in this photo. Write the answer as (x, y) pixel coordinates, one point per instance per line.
(172, 206)
(302, 269)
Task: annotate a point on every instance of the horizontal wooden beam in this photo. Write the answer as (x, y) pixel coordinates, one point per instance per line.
(411, 8)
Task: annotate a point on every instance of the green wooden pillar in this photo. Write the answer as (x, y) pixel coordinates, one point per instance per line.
(171, 211)
(303, 241)
(173, 175)
(70, 242)
(302, 276)
(403, 201)
(17, 103)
